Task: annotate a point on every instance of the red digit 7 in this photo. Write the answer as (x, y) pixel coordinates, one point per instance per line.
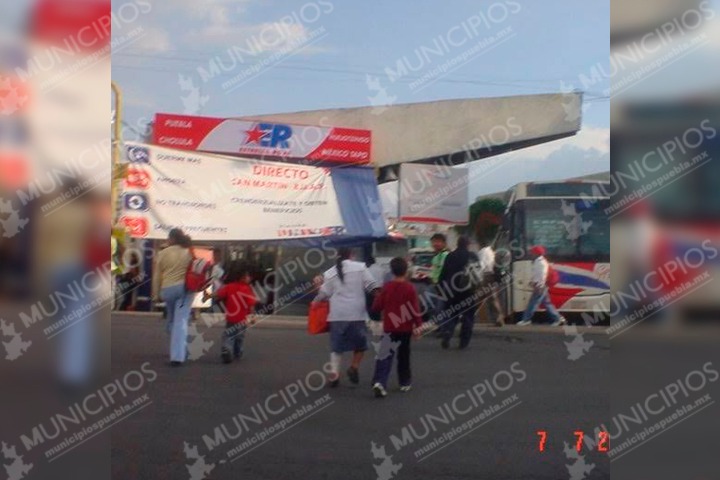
(543, 438)
(579, 435)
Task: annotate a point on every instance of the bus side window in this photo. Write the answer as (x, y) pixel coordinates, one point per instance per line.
(518, 232)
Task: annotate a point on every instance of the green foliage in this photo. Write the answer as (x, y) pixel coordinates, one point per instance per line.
(485, 218)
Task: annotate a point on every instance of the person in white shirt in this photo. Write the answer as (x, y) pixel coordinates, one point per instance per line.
(486, 257)
(344, 286)
(540, 293)
(491, 283)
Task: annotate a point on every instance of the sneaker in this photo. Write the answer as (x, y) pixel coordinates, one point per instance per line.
(559, 321)
(523, 323)
(175, 363)
(379, 390)
(445, 344)
(405, 388)
(353, 375)
(334, 383)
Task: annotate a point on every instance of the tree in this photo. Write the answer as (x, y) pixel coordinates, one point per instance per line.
(485, 218)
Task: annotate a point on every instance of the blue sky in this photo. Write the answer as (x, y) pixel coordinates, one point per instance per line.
(551, 45)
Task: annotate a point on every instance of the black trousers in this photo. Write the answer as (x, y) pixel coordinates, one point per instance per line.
(383, 366)
(466, 319)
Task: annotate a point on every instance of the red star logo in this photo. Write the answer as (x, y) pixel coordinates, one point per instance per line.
(255, 135)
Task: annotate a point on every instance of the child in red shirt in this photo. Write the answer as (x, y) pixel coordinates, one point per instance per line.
(238, 302)
(401, 319)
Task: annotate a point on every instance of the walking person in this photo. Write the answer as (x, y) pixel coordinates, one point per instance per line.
(217, 274)
(490, 283)
(129, 282)
(239, 302)
(460, 291)
(378, 275)
(439, 245)
(344, 286)
(540, 295)
(169, 280)
(396, 298)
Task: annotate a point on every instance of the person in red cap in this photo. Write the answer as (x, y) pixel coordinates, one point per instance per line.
(540, 295)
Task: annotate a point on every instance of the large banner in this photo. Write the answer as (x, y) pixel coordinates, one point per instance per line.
(433, 194)
(262, 139)
(220, 198)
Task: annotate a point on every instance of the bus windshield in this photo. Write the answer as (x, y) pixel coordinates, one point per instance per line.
(570, 229)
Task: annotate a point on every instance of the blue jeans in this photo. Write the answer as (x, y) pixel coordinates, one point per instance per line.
(233, 338)
(177, 304)
(537, 298)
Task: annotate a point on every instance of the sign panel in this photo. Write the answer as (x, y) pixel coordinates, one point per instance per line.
(263, 139)
(433, 194)
(220, 198)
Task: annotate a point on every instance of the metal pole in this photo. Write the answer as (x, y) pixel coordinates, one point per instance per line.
(278, 263)
(116, 143)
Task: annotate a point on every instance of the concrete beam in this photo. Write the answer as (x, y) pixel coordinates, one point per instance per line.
(449, 129)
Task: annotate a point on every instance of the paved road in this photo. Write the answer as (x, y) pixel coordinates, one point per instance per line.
(207, 415)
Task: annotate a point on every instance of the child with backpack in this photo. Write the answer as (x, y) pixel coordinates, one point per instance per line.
(543, 276)
(239, 301)
(396, 299)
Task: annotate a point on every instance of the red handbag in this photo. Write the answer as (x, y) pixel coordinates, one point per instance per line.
(318, 317)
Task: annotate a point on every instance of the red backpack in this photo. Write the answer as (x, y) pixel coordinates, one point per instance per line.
(553, 277)
(198, 276)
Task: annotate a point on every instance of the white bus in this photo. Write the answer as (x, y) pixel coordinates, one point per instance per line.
(569, 219)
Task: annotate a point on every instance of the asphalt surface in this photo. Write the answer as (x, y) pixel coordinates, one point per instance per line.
(186, 429)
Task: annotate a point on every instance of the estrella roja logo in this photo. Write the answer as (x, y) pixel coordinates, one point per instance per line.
(272, 135)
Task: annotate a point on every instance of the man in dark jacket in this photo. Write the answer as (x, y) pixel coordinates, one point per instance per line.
(456, 284)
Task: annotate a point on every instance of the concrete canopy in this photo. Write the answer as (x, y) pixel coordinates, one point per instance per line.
(451, 131)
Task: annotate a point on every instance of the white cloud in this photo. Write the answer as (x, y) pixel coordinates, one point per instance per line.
(208, 8)
(154, 40)
(585, 153)
(588, 138)
(264, 37)
(220, 16)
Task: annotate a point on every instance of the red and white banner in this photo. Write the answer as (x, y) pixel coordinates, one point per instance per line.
(263, 139)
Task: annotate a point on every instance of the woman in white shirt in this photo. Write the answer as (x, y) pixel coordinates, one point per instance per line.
(344, 286)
